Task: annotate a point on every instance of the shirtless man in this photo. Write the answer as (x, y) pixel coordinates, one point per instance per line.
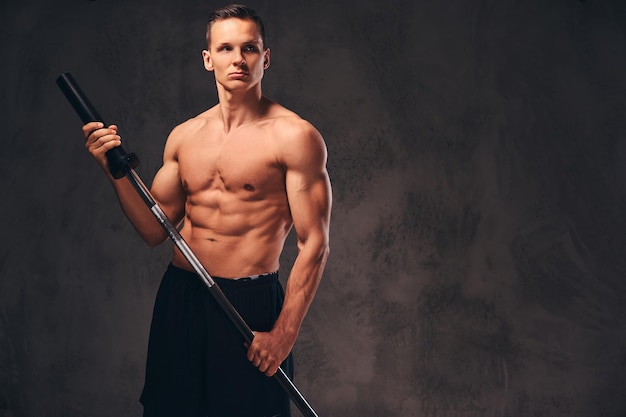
(238, 177)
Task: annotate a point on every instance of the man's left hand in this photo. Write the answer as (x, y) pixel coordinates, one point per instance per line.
(268, 350)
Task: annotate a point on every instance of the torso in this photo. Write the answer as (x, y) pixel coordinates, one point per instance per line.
(236, 212)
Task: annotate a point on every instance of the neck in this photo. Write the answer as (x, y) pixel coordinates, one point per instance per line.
(240, 107)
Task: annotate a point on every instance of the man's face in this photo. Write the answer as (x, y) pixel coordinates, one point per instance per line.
(236, 54)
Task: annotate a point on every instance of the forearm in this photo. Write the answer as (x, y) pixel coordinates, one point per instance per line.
(138, 212)
(302, 286)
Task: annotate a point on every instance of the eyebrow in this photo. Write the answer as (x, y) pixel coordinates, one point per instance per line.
(246, 42)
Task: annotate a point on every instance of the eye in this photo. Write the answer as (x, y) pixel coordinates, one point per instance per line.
(249, 48)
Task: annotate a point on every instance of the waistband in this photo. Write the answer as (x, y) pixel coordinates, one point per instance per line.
(251, 279)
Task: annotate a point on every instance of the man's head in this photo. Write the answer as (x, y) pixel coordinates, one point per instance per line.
(238, 11)
(236, 52)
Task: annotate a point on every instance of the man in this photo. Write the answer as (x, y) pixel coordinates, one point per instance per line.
(237, 177)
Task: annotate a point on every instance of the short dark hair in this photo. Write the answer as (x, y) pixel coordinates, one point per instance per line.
(238, 11)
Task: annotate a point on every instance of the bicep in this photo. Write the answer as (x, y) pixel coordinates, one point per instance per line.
(168, 192)
(166, 187)
(310, 208)
(309, 189)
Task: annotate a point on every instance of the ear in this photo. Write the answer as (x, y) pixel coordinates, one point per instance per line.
(266, 59)
(206, 58)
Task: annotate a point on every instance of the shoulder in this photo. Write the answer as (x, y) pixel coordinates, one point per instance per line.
(189, 129)
(299, 143)
(294, 134)
(195, 124)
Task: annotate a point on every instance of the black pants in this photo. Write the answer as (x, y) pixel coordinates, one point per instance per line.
(197, 364)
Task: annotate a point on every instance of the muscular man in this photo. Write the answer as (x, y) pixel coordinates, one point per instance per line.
(237, 177)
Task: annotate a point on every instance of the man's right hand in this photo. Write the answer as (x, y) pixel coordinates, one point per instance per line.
(99, 140)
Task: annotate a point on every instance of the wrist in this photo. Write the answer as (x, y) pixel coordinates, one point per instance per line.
(286, 331)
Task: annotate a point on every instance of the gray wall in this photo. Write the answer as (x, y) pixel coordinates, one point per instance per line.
(477, 157)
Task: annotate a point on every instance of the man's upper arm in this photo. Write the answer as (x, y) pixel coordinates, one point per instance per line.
(308, 185)
(166, 186)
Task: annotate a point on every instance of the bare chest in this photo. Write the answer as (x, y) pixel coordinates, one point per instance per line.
(243, 163)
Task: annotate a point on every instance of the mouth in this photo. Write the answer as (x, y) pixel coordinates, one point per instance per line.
(238, 75)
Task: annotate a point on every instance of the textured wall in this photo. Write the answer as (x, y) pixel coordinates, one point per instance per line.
(477, 157)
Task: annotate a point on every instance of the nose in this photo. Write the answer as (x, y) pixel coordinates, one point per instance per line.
(238, 59)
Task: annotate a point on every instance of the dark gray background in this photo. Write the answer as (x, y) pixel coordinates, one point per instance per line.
(478, 236)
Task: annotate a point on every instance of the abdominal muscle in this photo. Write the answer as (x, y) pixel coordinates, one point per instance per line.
(233, 243)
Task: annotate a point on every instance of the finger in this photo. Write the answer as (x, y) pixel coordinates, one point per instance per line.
(110, 145)
(90, 127)
(251, 354)
(263, 367)
(98, 140)
(271, 371)
(96, 134)
(253, 349)
(101, 131)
